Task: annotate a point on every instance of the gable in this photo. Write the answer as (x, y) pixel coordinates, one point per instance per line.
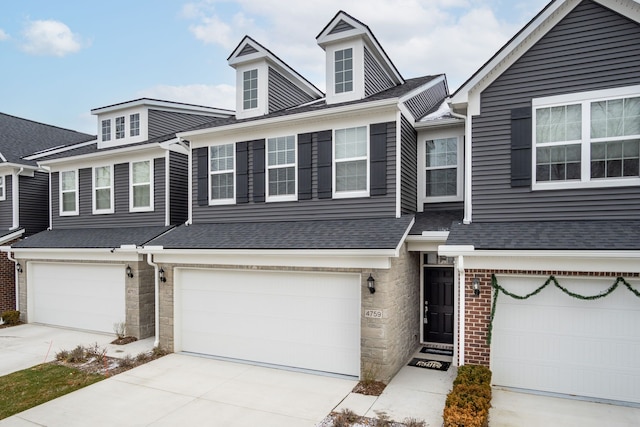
(341, 26)
(247, 49)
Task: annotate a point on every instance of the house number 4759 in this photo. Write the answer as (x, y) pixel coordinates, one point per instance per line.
(374, 314)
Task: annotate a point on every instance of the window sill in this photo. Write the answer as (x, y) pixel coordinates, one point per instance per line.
(599, 183)
(103, 212)
(217, 202)
(134, 210)
(69, 213)
(275, 199)
(350, 194)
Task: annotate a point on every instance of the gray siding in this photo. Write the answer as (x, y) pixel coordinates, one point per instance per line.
(427, 101)
(164, 122)
(121, 217)
(340, 27)
(34, 203)
(375, 79)
(6, 205)
(592, 48)
(408, 167)
(178, 188)
(314, 209)
(247, 49)
(283, 93)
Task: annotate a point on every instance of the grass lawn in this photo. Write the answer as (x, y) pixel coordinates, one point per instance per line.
(31, 387)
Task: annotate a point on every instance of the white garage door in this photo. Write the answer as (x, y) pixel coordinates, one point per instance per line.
(82, 296)
(556, 343)
(303, 320)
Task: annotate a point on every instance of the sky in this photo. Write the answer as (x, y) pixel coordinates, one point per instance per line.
(61, 58)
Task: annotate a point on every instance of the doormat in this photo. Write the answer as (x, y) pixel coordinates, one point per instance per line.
(441, 351)
(430, 364)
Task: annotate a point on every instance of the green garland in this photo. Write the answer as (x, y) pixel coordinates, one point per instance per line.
(497, 289)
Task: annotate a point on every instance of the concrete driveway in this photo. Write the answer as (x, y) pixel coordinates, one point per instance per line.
(181, 389)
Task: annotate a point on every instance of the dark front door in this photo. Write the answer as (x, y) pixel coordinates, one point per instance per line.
(438, 305)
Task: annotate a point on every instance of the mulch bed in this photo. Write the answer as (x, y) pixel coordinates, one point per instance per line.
(370, 388)
(124, 340)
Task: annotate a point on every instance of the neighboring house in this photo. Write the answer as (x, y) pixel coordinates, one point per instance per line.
(24, 187)
(552, 138)
(108, 197)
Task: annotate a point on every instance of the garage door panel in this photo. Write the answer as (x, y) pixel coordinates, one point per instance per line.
(556, 343)
(305, 320)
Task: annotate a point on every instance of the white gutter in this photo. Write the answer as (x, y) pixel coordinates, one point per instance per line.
(290, 252)
(398, 162)
(105, 153)
(167, 202)
(461, 316)
(156, 342)
(464, 250)
(15, 272)
(467, 162)
(60, 149)
(190, 186)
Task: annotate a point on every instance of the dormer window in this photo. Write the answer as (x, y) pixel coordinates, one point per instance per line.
(106, 130)
(120, 127)
(343, 66)
(250, 89)
(134, 124)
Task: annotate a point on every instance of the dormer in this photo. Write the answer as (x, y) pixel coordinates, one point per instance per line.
(356, 64)
(142, 119)
(264, 83)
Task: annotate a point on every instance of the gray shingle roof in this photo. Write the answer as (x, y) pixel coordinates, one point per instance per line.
(378, 233)
(550, 235)
(436, 220)
(92, 237)
(21, 137)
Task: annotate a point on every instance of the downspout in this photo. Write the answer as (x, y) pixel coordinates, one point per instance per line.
(461, 316)
(15, 275)
(15, 198)
(156, 343)
(190, 186)
(467, 166)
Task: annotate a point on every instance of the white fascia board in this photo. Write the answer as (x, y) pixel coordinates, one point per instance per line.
(11, 167)
(8, 238)
(434, 236)
(404, 237)
(177, 107)
(62, 149)
(429, 241)
(2, 157)
(77, 254)
(106, 156)
(456, 250)
(467, 251)
(366, 107)
(438, 123)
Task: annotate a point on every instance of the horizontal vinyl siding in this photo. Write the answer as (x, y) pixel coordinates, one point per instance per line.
(121, 217)
(592, 48)
(178, 188)
(6, 205)
(34, 203)
(427, 100)
(375, 79)
(283, 93)
(365, 207)
(409, 168)
(164, 122)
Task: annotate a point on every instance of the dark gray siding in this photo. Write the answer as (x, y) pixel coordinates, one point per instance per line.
(164, 122)
(375, 79)
(427, 101)
(34, 202)
(366, 207)
(592, 48)
(340, 27)
(283, 93)
(178, 188)
(408, 167)
(6, 205)
(121, 217)
(247, 49)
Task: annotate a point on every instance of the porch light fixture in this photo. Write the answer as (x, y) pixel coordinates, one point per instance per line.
(18, 267)
(371, 284)
(161, 274)
(129, 272)
(476, 286)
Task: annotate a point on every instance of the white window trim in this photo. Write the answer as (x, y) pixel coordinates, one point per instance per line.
(229, 201)
(61, 192)
(102, 133)
(286, 197)
(149, 208)
(584, 98)
(257, 99)
(422, 175)
(93, 191)
(335, 71)
(3, 185)
(124, 127)
(350, 194)
(131, 128)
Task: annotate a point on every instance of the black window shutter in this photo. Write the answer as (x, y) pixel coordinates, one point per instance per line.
(242, 173)
(378, 159)
(304, 166)
(521, 140)
(202, 157)
(325, 177)
(258, 170)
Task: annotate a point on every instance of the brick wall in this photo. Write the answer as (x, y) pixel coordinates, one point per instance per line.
(7, 283)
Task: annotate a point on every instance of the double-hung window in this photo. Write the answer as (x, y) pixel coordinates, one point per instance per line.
(343, 70)
(103, 189)
(106, 130)
(120, 127)
(68, 193)
(442, 169)
(141, 192)
(222, 174)
(281, 167)
(250, 89)
(3, 193)
(351, 161)
(134, 124)
(587, 139)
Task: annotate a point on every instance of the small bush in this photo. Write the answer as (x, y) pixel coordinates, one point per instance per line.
(143, 357)
(62, 356)
(159, 352)
(77, 355)
(11, 317)
(95, 351)
(473, 374)
(412, 422)
(120, 329)
(126, 362)
(345, 418)
(383, 420)
(469, 401)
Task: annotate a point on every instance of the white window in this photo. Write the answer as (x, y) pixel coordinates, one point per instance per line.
(441, 168)
(141, 191)
(3, 194)
(103, 189)
(250, 89)
(134, 124)
(587, 139)
(68, 193)
(343, 70)
(351, 162)
(120, 127)
(106, 130)
(281, 168)
(222, 174)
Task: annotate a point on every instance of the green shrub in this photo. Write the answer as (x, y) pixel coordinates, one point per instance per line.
(11, 317)
(473, 374)
(468, 403)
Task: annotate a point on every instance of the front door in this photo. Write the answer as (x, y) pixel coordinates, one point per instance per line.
(438, 305)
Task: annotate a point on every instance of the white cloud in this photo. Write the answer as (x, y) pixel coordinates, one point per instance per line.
(50, 38)
(219, 96)
(3, 35)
